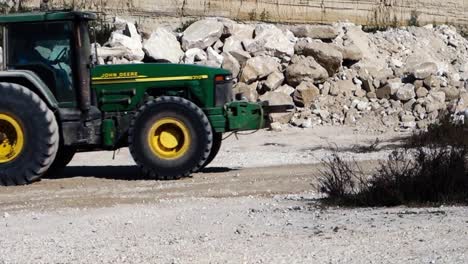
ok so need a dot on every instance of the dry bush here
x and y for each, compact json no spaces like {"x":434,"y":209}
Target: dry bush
{"x":445,"y":132}
{"x":340,"y":179}
{"x":426,"y":175}
{"x":101,"y":30}
{"x":432,"y":171}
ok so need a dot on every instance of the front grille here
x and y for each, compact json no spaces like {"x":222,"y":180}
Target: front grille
{"x":223,"y":93}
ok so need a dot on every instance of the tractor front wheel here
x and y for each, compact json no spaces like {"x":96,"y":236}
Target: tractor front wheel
{"x":170,"y":137}
{"x":217,"y":141}
{"x":29,"y":135}
{"x":64,"y":156}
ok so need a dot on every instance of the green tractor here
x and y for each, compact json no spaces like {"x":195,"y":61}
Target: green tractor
{"x":56,"y":101}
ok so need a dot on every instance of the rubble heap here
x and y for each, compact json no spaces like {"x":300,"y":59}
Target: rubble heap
{"x":337,"y":74}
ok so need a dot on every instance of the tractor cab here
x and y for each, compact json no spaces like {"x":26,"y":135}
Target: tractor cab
{"x":50,"y":52}
{"x":56,"y":47}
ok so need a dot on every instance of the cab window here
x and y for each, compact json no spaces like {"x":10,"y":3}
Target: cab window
{"x":45,"y":49}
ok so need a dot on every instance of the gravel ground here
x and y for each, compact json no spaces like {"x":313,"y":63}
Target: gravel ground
{"x":235,"y":230}
{"x":268,"y":148}
{"x":240,"y":210}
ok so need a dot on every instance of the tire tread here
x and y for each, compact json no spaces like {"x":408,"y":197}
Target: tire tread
{"x":150,"y":172}
{"x":49,"y":139}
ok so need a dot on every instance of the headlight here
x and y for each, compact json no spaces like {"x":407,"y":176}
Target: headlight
{"x":223,"y":89}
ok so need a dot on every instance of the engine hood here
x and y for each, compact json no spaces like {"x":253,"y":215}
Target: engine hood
{"x":169,"y":71}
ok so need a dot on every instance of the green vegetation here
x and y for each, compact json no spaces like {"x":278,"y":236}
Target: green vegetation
{"x":102,"y":29}
{"x":265,"y":16}
{"x":414,"y":19}
{"x":253,"y":15}
{"x":381,"y":20}
{"x":19,"y":8}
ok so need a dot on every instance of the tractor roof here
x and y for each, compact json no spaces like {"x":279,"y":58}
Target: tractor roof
{"x":46,"y":16}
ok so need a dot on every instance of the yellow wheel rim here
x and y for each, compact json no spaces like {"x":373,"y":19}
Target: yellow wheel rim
{"x":169,"y":138}
{"x":11,"y":138}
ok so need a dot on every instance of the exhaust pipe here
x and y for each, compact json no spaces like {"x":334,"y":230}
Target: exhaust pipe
{"x":82,"y":73}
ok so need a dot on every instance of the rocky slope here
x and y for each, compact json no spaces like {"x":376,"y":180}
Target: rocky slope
{"x":366,"y":12}
{"x":401,"y":78}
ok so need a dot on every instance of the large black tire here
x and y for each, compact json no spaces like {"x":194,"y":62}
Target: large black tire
{"x":38,"y":129}
{"x":183,"y":121}
{"x":217,"y":142}
{"x":62,"y":159}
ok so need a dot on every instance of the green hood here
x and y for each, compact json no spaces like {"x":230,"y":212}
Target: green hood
{"x":174,"y":72}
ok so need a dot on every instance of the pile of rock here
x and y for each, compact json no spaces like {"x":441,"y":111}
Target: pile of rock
{"x":333,"y":74}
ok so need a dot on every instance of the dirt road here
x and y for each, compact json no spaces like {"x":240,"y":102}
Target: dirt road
{"x":255,"y":204}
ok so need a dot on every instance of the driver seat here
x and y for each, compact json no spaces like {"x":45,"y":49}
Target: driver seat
{"x":47,"y":75}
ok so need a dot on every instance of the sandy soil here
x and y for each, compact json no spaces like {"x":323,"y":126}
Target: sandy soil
{"x":256,"y":203}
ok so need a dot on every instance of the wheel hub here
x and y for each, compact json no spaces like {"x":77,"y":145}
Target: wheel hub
{"x":169,"y":138}
{"x":11,"y":138}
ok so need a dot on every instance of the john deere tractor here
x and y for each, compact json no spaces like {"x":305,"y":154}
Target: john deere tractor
{"x":56,"y":101}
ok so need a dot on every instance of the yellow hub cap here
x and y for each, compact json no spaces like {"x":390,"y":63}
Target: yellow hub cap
{"x":169,"y":138}
{"x":11,"y":138}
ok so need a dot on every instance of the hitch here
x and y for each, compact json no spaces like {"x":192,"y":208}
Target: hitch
{"x":243,"y":115}
{"x":271,"y":109}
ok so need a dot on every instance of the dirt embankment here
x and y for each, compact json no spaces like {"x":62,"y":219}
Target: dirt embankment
{"x":363,"y":12}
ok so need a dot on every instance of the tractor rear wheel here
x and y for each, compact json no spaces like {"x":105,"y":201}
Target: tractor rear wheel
{"x":29,"y":135}
{"x":170,"y":137}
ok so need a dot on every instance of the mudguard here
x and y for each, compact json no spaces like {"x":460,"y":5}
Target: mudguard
{"x":38,"y":86}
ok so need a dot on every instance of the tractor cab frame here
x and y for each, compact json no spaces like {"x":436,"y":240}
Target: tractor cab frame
{"x":50,"y":53}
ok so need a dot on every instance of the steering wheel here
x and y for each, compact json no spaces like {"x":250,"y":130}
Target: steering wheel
{"x":60,"y":55}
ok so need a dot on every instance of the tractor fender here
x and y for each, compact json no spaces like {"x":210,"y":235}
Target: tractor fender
{"x":31,"y":81}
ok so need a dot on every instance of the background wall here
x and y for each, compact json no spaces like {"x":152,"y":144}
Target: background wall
{"x":321,"y":11}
